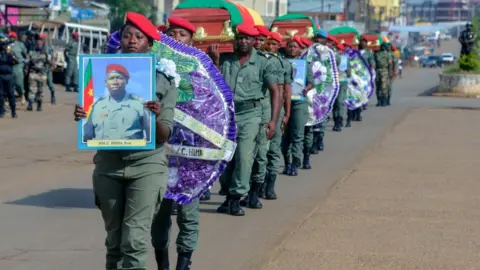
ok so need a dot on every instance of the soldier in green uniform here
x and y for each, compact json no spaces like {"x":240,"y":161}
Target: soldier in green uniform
{"x":260,"y":162}
{"x":129,"y":185}
{"x":20,"y":52}
{"x":338,"y":110}
{"x":249,"y":73}
{"x":383,"y":71}
{"x":319,"y":129}
{"x":274,"y":154}
{"x":71,"y":74}
{"x":294,"y":135}
{"x":51,"y":87}
{"x":188,"y":215}
{"x":38,"y":67}
{"x":393,"y":71}
{"x":369,"y":57}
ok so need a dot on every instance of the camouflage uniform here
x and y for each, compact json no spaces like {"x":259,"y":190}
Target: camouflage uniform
{"x":393,"y":71}
{"x":38,"y":68}
{"x":383,"y":72}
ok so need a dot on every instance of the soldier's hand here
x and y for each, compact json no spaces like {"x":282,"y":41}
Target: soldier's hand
{"x":214,"y":53}
{"x":285,"y":122}
{"x":79,"y":113}
{"x":153,"y":106}
{"x":271,"y":126}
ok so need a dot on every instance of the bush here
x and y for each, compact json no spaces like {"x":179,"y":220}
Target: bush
{"x":469,"y":62}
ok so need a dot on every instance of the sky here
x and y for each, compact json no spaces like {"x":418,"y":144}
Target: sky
{"x":138,"y":67}
{"x":336,"y":6}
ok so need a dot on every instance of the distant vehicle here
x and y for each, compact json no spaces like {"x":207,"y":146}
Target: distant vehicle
{"x":431,"y":38}
{"x":447,"y":58}
{"x":445,"y":36}
{"x":432,"y":61}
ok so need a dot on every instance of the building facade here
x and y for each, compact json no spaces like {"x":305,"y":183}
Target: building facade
{"x":453,"y":10}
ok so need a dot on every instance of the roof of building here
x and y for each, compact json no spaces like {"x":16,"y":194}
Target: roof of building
{"x":25,"y":4}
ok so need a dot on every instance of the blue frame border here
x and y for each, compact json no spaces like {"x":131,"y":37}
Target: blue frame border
{"x":83,"y":146}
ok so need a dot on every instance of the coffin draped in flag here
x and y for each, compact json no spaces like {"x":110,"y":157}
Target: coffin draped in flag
{"x":322,"y":63}
{"x":204,"y":133}
{"x":361,"y":82}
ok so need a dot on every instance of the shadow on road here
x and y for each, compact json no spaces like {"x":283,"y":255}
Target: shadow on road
{"x":60,"y":198}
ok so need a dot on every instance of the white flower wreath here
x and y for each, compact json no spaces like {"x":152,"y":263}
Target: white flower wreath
{"x":169,"y":68}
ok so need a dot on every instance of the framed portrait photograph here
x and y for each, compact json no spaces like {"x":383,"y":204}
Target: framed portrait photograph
{"x":112,"y":90}
{"x":299,"y":78}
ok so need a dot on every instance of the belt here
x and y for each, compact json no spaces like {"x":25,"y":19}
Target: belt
{"x":247,"y":104}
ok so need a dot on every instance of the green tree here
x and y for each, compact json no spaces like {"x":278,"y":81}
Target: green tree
{"x":118,"y":9}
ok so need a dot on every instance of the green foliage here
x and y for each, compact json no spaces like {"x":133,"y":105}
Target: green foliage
{"x":469,"y":62}
{"x":118,"y":9}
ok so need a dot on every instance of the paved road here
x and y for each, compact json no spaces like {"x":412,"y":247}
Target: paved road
{"x":48,"y":221}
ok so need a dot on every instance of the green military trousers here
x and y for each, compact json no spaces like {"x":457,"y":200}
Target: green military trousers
{"x":36,"y":82}
{"x":236,"y":177}
{"x":308,"y":139}
{"x":128,"y":193}
{"x":339,"y":106}
{"x":19,"y":79}
{"x":188,"y":219}
{"x":259,"y":167}
{"x":274,"y":153}
{"x":292,"y":143}
{"x":71,"y":76}
{"x":51,"y":87}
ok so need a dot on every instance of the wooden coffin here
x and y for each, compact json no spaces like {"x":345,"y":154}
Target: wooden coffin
{"x":213,"y":27}
{"x":290,"y":28}
{"x":373,"y":42}
{"x":348,"y":38}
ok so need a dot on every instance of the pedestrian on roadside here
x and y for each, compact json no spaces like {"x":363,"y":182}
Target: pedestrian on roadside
{"x":7,"y":61}
{"x":129,"y":185}
{"x":38,"y":67}
{"x":20,"y":52}
{"x":71,"y":73}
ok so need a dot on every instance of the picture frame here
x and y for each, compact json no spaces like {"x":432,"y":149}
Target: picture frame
{"x":112,"y":90}
{"x":299,"y":78}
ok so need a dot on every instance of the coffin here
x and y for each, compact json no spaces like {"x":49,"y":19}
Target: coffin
{"x":346,"y":34}
{"x":213,"y":27}
{"x":373,"y":42}
{"x":290,"y":25}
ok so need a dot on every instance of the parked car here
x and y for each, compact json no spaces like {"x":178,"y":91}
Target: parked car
{"x":446,"y":36}
{"x":447,"y":58}
{"x":432,"y":61}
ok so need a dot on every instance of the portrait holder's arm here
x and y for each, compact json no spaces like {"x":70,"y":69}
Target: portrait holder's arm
{"x":88,"y":128}
{"x":167,"y":94}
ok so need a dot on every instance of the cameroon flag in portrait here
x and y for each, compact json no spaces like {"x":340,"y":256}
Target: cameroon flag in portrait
{"x":88,"y":88}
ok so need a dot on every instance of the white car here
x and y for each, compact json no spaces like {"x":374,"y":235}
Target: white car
{"x":447,"y":58}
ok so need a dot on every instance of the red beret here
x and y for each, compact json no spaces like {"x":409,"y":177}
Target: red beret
{"x":143,"y":24}
{"x":275,"y":36}
{"x":12,"y":34}
{"x":340,"y":46}
{"x":76,"y":34}
{"x":306,"y":41}
{"x":181,"y":23}
{"x":247,"y":29}
{"x":118,"y":68}
{"x":162,"y":28}
{"x":332,"y":38}
{"x":299,"y":41}
{"x":262,"y":30}
{"x":43,"y":36}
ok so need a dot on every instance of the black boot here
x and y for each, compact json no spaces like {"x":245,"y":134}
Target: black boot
{"x":235,"y":209}
{"x":30,"y":106}
{"x":263,"y":190}
{"x":293,"y":170}
{"x":161,"y":256}
{"x":174,"y":209}
{"x":358,"y":117}
{"x":350,"y":117}
{"x":335,"y":124}
{"x":340,"y":123}
{"x":39,"y":105}
{"x":184,"y":261}
{"x":288,"y":169}
{"x":383,"y":102}
{"x":222,"y":192}
{"x":306,"y":159}
{"x":206,"y":196}
{"x":314,"y":149}
{"x":225,"y":207}
{"x":320,"y":145}
{"x":270,"y":187}
{"x":387,"y":101}
{"x":253,"y":201}
{"x":53,"y":100}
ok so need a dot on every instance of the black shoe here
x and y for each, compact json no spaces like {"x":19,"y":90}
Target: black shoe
{"x":225,"y":207}
{"x":222,"y":192}
{"x":14,"y":115}
{"x":235,"y":209}
{"x":161,"y":256}
{"x":244,"y":201}
{"x":206,"y":196}
{"x":68,"y":90}
{"x":306,"y":160}
{"x":314,"y":149}
{"x":387,"y":101}
{"x":293,"y":170}
{"x":39,"y":106}
{"x":263,"y":191}
{"x":288,"y":169}
{"x":350,"y":117}
{"x":383,"y":102}
{"x":253,"y":201}
{"x":335,"y":124}
{"x":359,"y":117}
{"x":53,"y":101}
{"x":30,"y":106}
{"x":174,"y":209}
{"x":184,"y":261}
{"x":270,"y":187}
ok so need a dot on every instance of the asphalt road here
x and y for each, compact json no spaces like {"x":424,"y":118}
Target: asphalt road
{"x":48,"y":220}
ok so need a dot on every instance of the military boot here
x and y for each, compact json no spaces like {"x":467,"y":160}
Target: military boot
{"x":263,"y":190}
{"x":39,"y":105}
{"x":161,"y":256}
{"x":340,"y":123}
{"x":206,"y":196}
{"x":350,"y":117}
{"x":306,"y":159}
{"x":288,"y":166}
{"x":30,"y":106}
{"x":235,"y":209}
{"x":184,"y":261}
{"x":270,"y":187}
{"x":387,"y":101}
{"x":320,"y":145}
{"x":225,"y":207}
{"x":222,"y":192}
{"x":335,"y":124}
{"x":358,"y":115}
{"x":253,"y":201}
{"x":314,"y":149}
{"x":293,"y":170}
{"x":53,"y":100}
{"x":383,"y":102}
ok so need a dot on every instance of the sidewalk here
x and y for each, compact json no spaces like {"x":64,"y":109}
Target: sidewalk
{"x":413,"y":203}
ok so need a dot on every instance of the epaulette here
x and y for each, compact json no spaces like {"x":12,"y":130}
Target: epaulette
{"x":264,"y":54}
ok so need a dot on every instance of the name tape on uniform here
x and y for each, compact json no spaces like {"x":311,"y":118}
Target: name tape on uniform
{"x":203,"y":131}
{"x":198,"y":152}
